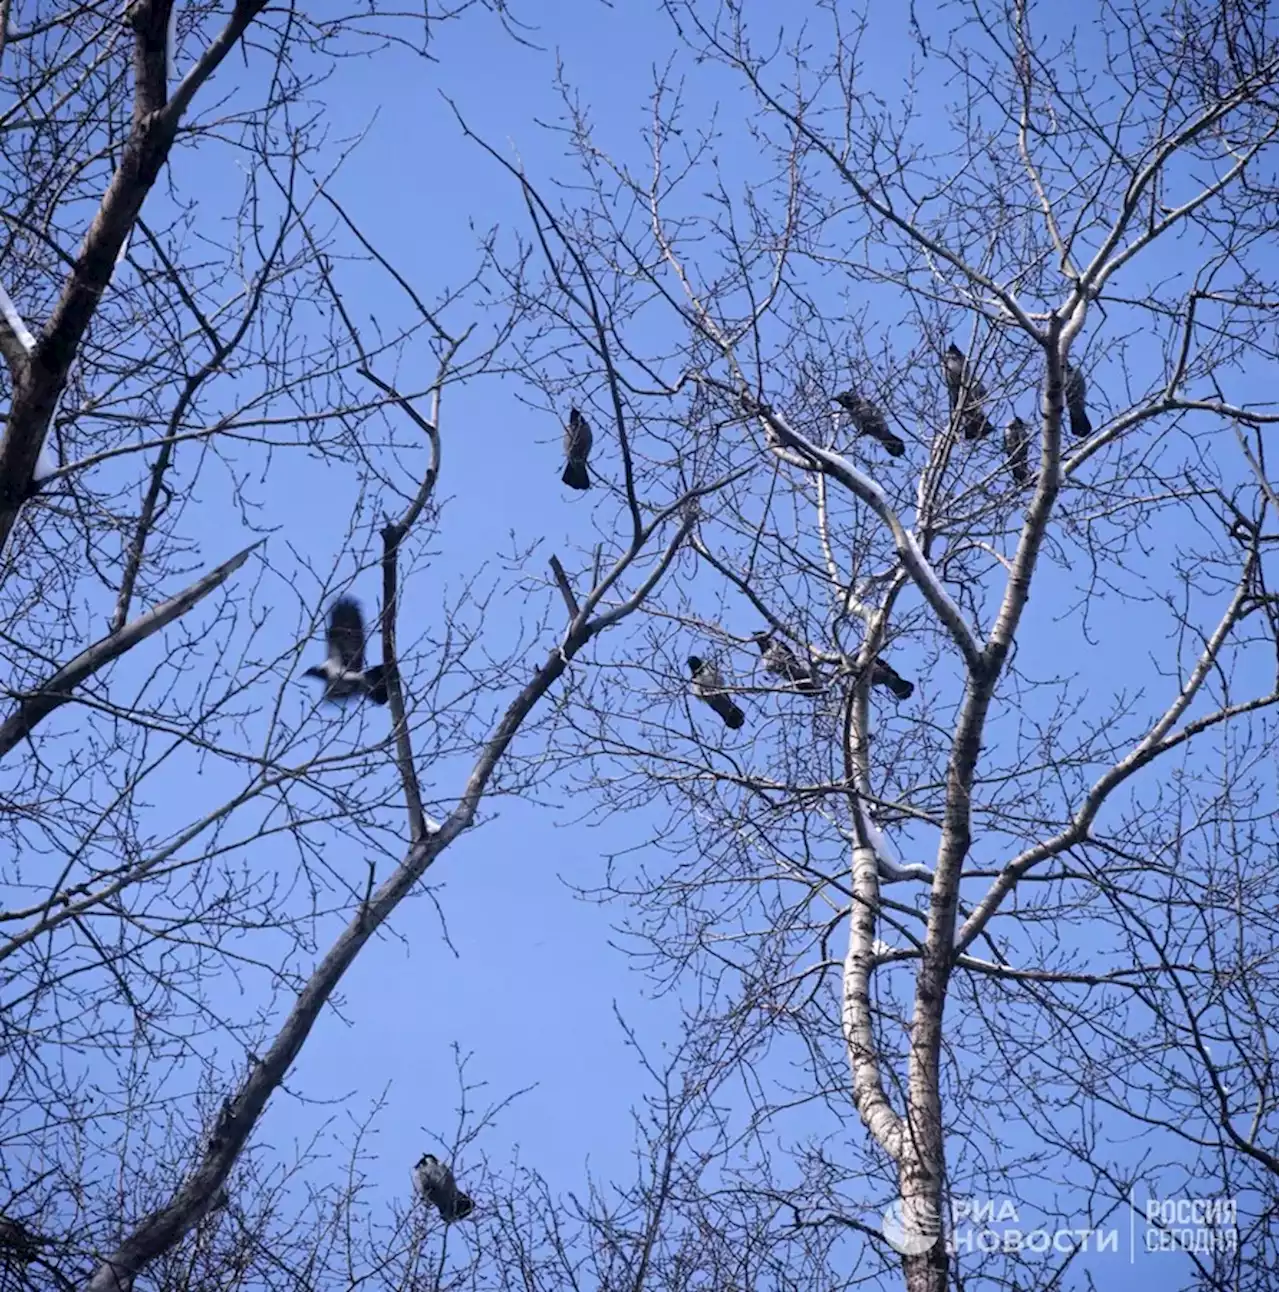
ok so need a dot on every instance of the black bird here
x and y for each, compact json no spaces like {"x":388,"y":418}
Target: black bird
{"x":973,"y":420}
{"x":883,"y":674}
{"x":780,"y":660}
{"x":708,"y":686}
{"x":1016,"y":440}
{"x":18,"y":1245}
{"x":343,"y":672}
{"x":577,"y":449}
{"x":869,"y":421}
{"x":1074,"y":391}
{"x":435,"y":1185}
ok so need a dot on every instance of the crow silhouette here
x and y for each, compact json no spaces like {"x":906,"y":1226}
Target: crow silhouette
{"x":435,"y":1185}
{"x":577,"y":449}
{"x":868,"y":420}
{"x":780,"y":660}
{"x":708,"y":686}
{"x":961,"y":382}
{"x":343,"y":670}
{"x":1016,"y":440}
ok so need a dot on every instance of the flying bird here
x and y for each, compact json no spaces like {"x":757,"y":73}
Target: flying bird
{"x":886,"y":675}
{"x":708,"y":686}
{"x":1073,"y":392}
{"x":973,"y":420}
{"x":869,"y":420}
{"x":435,"y":1185}
{"x":343,"y":671}
{"x":577,"y":449}
{"x":1016,"y":440}
{"x":780,"y":660}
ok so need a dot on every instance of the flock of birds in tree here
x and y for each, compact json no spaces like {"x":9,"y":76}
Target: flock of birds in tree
{"x":964,"y":388}
{"x":706,"y":682}
{"x":344,"y":673}
{"x":968,"y":398}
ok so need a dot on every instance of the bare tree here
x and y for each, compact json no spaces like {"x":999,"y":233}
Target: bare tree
{"x":180,"y":810}
{"x":1054,"y":988}
{"x":1046,"y":668}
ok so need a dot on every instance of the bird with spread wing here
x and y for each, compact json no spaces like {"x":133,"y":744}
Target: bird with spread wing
{"x":343,"y":671}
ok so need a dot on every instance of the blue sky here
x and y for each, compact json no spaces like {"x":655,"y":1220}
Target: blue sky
{"x":422,"y":192}
{"x":531,"y":993}
{"x":522,"y":938}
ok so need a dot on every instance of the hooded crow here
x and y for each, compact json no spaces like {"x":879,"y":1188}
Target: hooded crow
{"x":780,"y":660}
{"x":343,"y":671}
{"x":435,"y":1185}
{"x":886,"y":675}
{"x":869,"y":420}
{"x":1016,"y":440}
{"x":1074,"y":391}
{"x":973,"y":420}
{"x":577,"y":449}
{"x":18,"y":1245}
{"x":708,"y":686}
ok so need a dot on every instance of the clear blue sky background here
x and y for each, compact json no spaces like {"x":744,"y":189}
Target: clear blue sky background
{"x":532,"y":992}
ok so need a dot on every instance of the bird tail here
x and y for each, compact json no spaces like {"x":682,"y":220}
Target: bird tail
{"x":376,"y":680}
{"x":892,"y":443}
{"x":1019,"y":465}
{"x":1080,"y":423}
{"x":976,"y":427}
{"x":575,"y":474}
{"x":729,"y":711}
{"x":462,"y":1206}
{"x":899,"y":686}
{"x":883,"y":674}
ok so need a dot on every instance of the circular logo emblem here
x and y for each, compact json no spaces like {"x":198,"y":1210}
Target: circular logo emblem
{"x":911,"y":1227}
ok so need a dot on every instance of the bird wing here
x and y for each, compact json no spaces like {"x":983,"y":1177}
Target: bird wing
{"x":785,"y":664}
{"x":346,"y":635}
{"x":428,"y":1175}
{"x":873,"y":422}
{"x":577,"y":436}
{"x":953,"y":370}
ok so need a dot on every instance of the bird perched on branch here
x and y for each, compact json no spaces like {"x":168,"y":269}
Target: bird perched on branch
{"x":1074,"y":391}
{"x":886,"y":675}
{"x":577,"y":449}
{"x":18,"y":1245}
{"x":1016,"y":440}
{"x":436,"y":1186}
{"x":780,"y":660}
{"x":973,"y":419}
{"x":708,"y":686}
{"x":343,"y":671}
{"x":869,"y":420}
